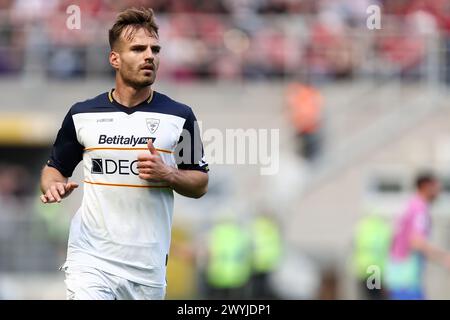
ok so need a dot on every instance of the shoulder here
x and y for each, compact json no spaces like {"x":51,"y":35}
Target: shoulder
{"x":99,"y":103}
{"x":165,"y":104}
{"x":417,"y":204}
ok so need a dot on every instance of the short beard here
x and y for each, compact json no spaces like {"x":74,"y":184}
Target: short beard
{"x":138,"y":84}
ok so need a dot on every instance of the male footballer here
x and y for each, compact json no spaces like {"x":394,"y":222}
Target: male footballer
{"x":137,"y":146}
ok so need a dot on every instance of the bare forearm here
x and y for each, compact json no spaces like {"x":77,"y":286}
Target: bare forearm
{"x":49,"y":177}
{"x":189,"y":183}
{"x":429,"y":250}
{"x":54,"y":185}
{"x":435,"y":253}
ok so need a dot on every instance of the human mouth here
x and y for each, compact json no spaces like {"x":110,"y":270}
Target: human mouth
{"x":148,"y":67}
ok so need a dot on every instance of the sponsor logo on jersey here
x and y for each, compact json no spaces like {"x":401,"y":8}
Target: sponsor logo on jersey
{"x":123,"y":140}
{"x":110,"y":166}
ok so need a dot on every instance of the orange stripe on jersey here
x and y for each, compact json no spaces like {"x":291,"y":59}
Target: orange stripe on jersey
{"x":123,"y":185}
{"x":109,"y":148}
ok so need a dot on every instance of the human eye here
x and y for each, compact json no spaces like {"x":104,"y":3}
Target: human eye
{"x":156,"y":49}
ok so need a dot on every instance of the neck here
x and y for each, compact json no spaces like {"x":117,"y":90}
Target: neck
{"x":129,"y":96}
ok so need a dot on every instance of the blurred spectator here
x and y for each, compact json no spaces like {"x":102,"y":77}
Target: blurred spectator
{"x":6,"y":4}
{"x":56,"y":221}
{"x":229,"y":261}
{"x":266,"y":257}
{"x":402,"y":49}
{"x":410,"y":243}
{"x":13,"y":183}
{"x":329,"y":52}
{"x":33,"y":10}
{"x":181,"y":273}
{"x":288,"y":6}
{"x":437,"y":13}
{"x":371,"y":248}
{"x":305,"y":104}
{"x":268,"y":44}
{"x":275,"y":7}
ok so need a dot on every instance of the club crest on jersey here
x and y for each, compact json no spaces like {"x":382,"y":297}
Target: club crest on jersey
{"x":152,"y":124}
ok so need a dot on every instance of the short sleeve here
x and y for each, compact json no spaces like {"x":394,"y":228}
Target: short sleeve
{"x":420,"y":224}
{"x":67,"y":152}
{"x":189,"y":152}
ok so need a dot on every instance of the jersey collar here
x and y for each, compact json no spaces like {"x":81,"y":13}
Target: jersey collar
{"x":130,"y":109}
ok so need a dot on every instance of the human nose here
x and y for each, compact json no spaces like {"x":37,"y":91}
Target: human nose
{"x":149,"y":55}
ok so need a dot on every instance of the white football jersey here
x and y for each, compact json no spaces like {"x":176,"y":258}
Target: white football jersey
{"x":124,"y":223}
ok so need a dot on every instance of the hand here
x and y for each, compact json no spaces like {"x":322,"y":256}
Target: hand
{"x":151,"y":167}
{"x":58,"y":191}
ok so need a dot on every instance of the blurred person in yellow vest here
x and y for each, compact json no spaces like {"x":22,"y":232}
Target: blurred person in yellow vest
{"x":266,"y":254}
{"x":371,"y":249}
{"x":305,"y":104}
{"x":181,"y":272}
{"x":56,"y":222}
{"x":229,"y":260}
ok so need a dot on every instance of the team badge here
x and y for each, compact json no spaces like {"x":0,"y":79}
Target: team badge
{"x":152,"y":125}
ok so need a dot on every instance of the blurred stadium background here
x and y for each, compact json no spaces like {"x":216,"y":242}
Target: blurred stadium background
{"x":376,"y":112}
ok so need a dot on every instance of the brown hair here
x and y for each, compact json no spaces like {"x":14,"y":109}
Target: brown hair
{"x":136,"y":19}
{"x":425,"y":177}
